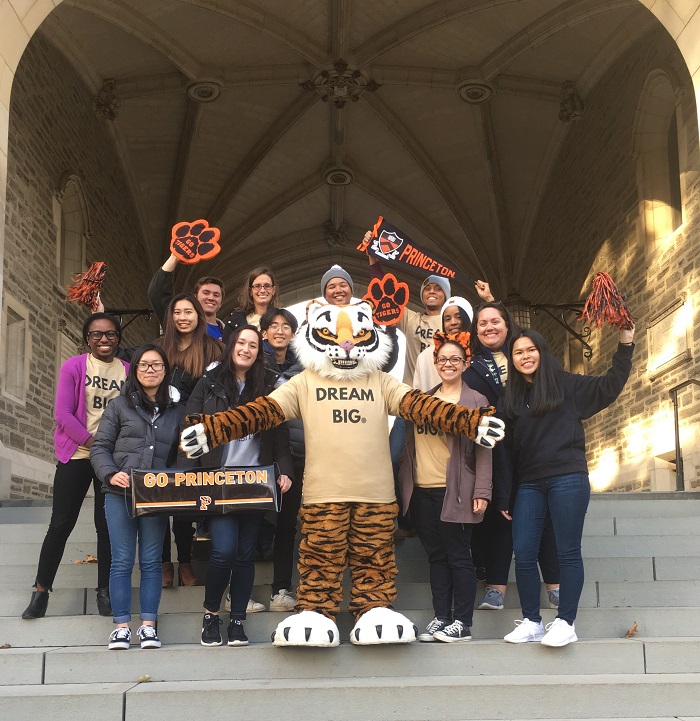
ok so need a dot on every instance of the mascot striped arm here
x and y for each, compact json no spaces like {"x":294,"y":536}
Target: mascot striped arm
{"x":349,"y":509}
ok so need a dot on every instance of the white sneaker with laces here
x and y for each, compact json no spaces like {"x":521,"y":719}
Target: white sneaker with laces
{"x":526,"y":631}
{"x":559,"y":633}
{"x":254,"y":606}
{"x":282,"y":601}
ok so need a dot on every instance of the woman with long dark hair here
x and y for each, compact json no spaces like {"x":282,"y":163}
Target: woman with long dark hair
{"x":492,"y":541}
{"x":86,"y":383}
{"x":190,"y":350}
{"x":138,"y":430}
{"x":543,"y":406}
{"x":239,"y":378}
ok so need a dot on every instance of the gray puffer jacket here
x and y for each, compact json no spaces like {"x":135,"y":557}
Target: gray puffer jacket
{"x":128,"y":437}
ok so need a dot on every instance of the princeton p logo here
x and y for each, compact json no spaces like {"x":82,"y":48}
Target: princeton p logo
{"x":204,"y":502}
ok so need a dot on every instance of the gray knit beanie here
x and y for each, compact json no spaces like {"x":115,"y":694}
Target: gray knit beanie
{"x":438,"y":280}
{"x":335,"y":272}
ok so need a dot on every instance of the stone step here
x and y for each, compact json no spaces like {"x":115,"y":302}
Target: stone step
{"x":449,"y":698}
{"x":411,"y":596}
{"x":185,"y":627}
{"x":190,"y":662}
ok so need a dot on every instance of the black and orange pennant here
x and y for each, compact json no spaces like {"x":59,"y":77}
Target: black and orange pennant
{"x":391,"y":244}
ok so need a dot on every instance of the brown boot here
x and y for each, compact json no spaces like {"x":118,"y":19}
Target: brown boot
{"x":186,"y":575}
{"x":168,"y":575}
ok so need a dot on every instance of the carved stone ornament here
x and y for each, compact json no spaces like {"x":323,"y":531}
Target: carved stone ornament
{"x":571,"y":104}
{"x":335,"y":237}
{"x":341,"y":84}
{"x":106,"y":104}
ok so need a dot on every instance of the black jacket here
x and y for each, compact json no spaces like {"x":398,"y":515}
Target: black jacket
{"x":129,"y":438}
{"x":210,"y":397}
{"x":554,"y":444}
{"x":287,"y":370}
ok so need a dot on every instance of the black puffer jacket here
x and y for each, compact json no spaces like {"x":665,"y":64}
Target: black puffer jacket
{"x":210,"y":397}
{"x":129,"y":438}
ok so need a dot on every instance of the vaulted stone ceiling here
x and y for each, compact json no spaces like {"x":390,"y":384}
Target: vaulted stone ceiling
{"x":445,"y":120}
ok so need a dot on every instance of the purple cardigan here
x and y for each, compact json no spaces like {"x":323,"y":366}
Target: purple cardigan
{"x":70,"y":412}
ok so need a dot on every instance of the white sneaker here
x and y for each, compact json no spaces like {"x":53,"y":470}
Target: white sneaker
{"x":253,"y":606}
{"x":526,"y":631}
{"x":559,"y":633}
{"x":282,"y":601}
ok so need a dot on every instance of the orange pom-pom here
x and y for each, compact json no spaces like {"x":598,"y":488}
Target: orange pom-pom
{"x":85,"y":287}
{"x":606,"y":304}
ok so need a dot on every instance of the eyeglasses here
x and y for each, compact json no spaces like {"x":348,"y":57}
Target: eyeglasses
{"x":97,"y":334}
{"x":143,"y":366}
{"x":454,"y":360}
{"x":262,"y":286}
{"x":280,"y":326}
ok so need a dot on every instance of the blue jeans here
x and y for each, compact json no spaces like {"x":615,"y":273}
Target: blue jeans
{"x":123,"y":531}
{"x":234,"y":538}
{"x":566,"y":497}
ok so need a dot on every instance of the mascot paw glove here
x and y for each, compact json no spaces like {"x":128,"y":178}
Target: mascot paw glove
{"x":380,"y":626}
{"x":193,"y":441}
{"x":489,"y":431}
{"x":307,"y":628}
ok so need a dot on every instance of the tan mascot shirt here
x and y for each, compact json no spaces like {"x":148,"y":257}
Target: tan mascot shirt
{"x":345,"y":427}
{"x":419,"y":329}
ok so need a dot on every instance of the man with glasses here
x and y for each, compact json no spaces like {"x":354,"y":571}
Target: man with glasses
{"x":208,"y":290}
{"x":278,"y":327}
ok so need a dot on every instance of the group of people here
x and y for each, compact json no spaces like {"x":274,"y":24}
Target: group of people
{"x":471,"y":507}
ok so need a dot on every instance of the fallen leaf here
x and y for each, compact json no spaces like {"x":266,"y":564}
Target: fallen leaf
{"x":6,"y":645}
{"x":143,"y":679}
{"x":632,"y":631}
{"x":88,"y":559}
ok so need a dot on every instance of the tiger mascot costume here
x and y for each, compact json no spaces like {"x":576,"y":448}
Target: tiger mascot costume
{"x":349,"y":506}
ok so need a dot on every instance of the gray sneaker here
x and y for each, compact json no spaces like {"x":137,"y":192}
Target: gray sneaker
{"x":492,"y":600}
{"x":553,"y":598}
{"x":435,"y":625}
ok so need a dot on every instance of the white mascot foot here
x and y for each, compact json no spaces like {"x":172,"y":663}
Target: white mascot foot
{"x":307,"y":628}
{"x":382,"y":625}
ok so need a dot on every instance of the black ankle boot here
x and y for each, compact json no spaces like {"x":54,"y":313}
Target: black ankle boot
{"x":37,"y":606}
{"x":104,"y":605}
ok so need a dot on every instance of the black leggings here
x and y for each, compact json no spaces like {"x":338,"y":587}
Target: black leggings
{"x":286,"y":531}
{"x":71,"y":483}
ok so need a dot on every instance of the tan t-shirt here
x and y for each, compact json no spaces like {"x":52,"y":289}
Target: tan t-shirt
{"x":253,"y":318}
{"x":103,"y":381}
{"x":419,"y":329}
{"x":346,"y":434}
{"x":432,"y":453}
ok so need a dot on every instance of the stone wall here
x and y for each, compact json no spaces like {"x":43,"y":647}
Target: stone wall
{"x":54,"y":132}
{"x":591,"y":220}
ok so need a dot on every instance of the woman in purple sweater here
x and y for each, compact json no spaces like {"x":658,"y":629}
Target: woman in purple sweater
{"x":86,"y":383}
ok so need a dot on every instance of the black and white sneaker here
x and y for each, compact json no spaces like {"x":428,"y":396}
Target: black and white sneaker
{"x":435,"y":625}
{"x":120,"y":638}
{"x":148,"y":637}
{"x":456,"y":631}
{"x":211,"y":633}
{"x":236,"y":634}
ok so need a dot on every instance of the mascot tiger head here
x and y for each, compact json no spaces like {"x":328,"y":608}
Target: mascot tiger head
{"x":341,"y":341}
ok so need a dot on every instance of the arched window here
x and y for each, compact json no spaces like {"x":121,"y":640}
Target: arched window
{"x":72,"y":228}
{"x":656,"y":148}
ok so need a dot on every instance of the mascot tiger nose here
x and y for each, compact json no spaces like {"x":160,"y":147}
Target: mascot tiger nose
{"x":349,"y":508}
